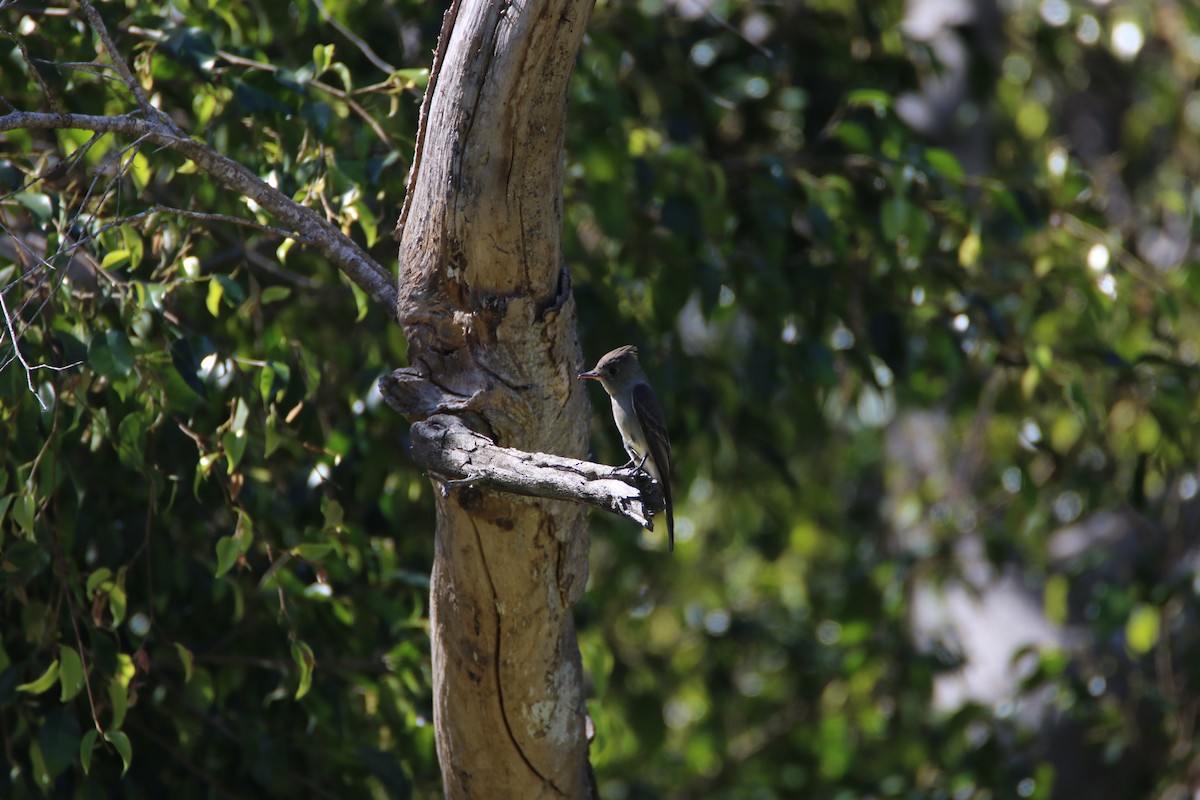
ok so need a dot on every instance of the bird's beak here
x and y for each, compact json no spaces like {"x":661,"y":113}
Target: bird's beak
{"x":589,"y":374}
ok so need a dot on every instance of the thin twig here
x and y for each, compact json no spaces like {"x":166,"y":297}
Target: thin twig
{"x":51,"y":98}
{"x":110,"y":47}
{"x":206,"y":217}
{"x":362,"y":46}
{"x":87,"y":681}
{"x":12,"y":334}
{"x":340,"y":94}
{"x":69,"y":250}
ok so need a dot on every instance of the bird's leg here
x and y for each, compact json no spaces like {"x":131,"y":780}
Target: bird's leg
{"x":635,"y":464}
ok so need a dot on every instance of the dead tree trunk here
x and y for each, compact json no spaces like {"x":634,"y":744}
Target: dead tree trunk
{"x":487,"y":307}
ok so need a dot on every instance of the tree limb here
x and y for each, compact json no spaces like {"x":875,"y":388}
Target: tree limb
{"x":445,"y":445}
{"x":340,"y":249}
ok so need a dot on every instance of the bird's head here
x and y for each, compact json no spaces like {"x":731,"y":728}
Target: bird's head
{"x":616,"y":368}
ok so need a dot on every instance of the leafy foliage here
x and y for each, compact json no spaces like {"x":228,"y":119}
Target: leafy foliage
{"x":213,"y":550}
{"x":212,"y":522}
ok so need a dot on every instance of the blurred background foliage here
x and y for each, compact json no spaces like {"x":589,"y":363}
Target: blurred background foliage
{"x":914,"y":280}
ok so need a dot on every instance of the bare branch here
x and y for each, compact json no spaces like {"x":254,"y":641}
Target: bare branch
{"x":444,"y":445}
{"x":304,"y":223}
{"x":16,"y":343}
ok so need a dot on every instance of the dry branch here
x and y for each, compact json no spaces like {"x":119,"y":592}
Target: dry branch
{"x":444,"y":445}
{"x":308,"y":225}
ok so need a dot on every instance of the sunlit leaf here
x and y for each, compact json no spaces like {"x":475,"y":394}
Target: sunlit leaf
{"x":228,"y":551}
{"x":302,"y":654}
{"x":1142,"y":629}
{"x":70,"y":672}
{"x":43,"y":682}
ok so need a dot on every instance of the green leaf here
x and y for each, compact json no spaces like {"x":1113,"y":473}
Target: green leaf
{"x":1054,"y":599}
{"x":854,"y":136}
{"x":294,"y":79}
{"x":245,"y":531}
{"x":188,"y":661}
{"x":322,"y":58}
{"x":23,"y":512}
{"x":111,"y":355}
{"x":412,"y":78}
{"x":241,"y":413}
{"x":228,"y":551}
{"x":895,"y":217}
{"x":968,"y":250}
{"x":114,"y":258}
{"x":368,"y":222}
{"x":121,"y":742}
{"x":334,"y":515}
{"x":192,"y":47}
{"x":361,"y":301}
{"x":945,"y":162}
{"x":312,"y":551}
{"x":43,"y":682}
{"x":234,"y":443}
{"x":97,"y":578}
{"x":118,"y":699}
{"x":116,"y":605}
{"x":40,"y":772}
{"x":273,"y":294}
{"x":273,"y":437}
{"x":302,"y":654}
{"x":86,"y":747}
{"x":40,"y":204}
{"x":125,"y":669}
{"x":874,"y":99}
{"x":273,"y":381}
{"x":1142,"y":629}
{"x":235,"y":295}
{"x":215,"y":292}
{"x":70,"y":672}
{"x":131,"y":434}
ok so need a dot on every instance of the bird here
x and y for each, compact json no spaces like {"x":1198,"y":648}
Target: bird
{"x":640,"y":419}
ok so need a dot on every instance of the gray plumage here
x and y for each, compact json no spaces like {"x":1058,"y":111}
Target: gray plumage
{"x":639,"y":418}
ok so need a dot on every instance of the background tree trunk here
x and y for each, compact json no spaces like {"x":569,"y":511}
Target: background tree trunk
{"x":489,"y":315}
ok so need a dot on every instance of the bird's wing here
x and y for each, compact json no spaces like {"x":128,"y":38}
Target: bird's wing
{"x":654,"y":427}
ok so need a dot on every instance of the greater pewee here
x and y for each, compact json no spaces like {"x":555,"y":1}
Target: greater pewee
{"x":639,"y":418}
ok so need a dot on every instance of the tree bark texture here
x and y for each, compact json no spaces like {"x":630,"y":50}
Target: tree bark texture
{"x":486,"y":304}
